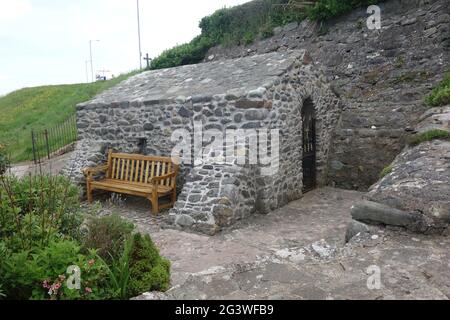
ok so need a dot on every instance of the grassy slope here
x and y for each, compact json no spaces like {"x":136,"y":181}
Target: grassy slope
{"x":39,"y":108}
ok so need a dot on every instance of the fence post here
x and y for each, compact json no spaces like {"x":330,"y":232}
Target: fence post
{"x":33,"y":142}
{"x":46,"y":143}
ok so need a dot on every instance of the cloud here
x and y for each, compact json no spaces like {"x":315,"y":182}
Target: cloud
{"x":12,"y":10}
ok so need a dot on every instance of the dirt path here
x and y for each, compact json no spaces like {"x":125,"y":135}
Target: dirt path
{"x":298,"y":252}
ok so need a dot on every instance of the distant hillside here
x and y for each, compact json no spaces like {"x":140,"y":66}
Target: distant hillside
{"x":39,"y":108}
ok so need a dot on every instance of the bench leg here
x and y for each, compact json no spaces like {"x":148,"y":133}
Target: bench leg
{"x":155,"y":204}
{"x":174,"y":197}
{"x":89,"y":193}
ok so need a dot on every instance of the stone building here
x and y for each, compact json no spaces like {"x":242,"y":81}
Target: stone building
{"x":282,"y":98}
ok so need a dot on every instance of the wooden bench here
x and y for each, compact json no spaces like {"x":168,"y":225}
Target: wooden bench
{"x":138,"y":175}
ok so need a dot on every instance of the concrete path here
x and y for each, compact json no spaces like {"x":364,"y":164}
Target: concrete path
{"x":52,"y":166}
{"x":298,"y":252}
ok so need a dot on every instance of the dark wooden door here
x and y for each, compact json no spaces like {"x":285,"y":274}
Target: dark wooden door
{"x":309,"y":146}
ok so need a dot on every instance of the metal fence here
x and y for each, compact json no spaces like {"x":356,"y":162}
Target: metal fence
{"x":54,"y":141}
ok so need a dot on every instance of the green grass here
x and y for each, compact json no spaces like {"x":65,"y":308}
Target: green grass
{"x":386,"y":171}
{"x":39,"y":108}
{"x":441,"y":94}
{"x":428,"y":136}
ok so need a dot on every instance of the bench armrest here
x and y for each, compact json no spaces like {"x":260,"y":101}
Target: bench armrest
{"x":90,"y":171}
{"x":155,"y":180}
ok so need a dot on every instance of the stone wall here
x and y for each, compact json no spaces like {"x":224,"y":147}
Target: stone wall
{"x":214,"y":195}
{"x":381,"y":77}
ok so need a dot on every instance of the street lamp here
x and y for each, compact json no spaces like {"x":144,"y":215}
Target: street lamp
{"x":87,"y":72}
{"x":92,"y":63}
{"x":139,"y":33}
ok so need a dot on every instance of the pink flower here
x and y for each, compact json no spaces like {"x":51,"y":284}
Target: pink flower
{"x":91,"y":262}
{"x":88,"y":290}
{"x":45,"y":285}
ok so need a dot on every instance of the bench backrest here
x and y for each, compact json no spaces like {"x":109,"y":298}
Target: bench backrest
{"x":138,"y":168}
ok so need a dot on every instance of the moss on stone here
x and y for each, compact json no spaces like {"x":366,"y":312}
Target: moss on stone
{"x":428,"y":136}
{"x":441,"y":94}
{"x":386,"y":171}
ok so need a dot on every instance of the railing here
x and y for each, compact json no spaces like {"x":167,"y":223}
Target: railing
{"x":54,"y":141}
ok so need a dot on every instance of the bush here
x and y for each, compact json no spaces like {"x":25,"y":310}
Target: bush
{"x":41,"y":274}
{"x":41,"y":236}
{"x":441,"y":94}
{"x":327,"y":9}
{"x":36,"y":210}
{"x":428,"y":136}
{"x":108,"y":235}
{"x":148,"y":270}
{"x":189,"y":53}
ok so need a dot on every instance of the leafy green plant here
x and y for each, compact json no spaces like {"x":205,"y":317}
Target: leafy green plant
{"x":428,"y":136}
{"x":326,"y":9}
{"x":41,"y":273}
{"x":37,"y":209}
{"x":119,"y":272}
{"x":108,"y":235}
{"x":441,"y":94}
{"x":148,"y":270}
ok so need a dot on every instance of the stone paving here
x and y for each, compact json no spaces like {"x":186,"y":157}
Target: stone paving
{"x":297,"y":252}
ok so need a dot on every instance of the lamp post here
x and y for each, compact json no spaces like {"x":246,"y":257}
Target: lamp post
{"x":87,"y":72}
{"x":92,"y":62}
{"x":139,"y":34}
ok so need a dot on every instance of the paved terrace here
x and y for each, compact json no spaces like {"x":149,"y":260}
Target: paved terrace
{"x":298,"y":252}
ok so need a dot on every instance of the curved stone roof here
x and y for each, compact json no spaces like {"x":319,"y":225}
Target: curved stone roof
{"x":237,"y":77}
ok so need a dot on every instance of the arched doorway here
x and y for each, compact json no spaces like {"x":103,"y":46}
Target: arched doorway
{"x":309,"y":146}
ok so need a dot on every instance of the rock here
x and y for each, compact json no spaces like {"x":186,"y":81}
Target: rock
{"x":322,"y":249}
{"x":355,"y":228}
{"x":372,"y":212}
{"x":184,"y":221}
{"x":156,"y":296}
{"x":185,"y":113}
{"x":290,"y":26}
{"x":148,"y":127}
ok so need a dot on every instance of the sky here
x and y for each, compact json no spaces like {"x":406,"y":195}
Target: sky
{"x":46,"y":42}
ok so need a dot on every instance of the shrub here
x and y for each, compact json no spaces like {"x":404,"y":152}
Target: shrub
{"x":441,"y":94}
{"x":41,"y":274}
{"x":428,"y":136}
{"x":148,"y":270}
{"x":188,"y":53}
{"x":41,"y":236}
{"x":108,"y":235}
{"x":327,"y":9}
{"x":35,"y":210}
